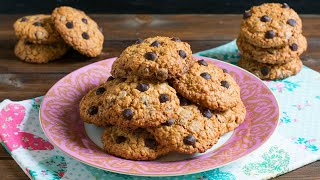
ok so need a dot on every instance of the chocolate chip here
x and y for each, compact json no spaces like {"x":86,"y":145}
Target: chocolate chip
{"x":100,"y":90}
{"x":139,"y":130}
{"x":122,"y":79}
{"x":93,"y":110}
{"x":151,"y":143}
{"x":85,"y":35}
{"x":155,"y":44}
{"x":24,"y":19}
{"x":207,"y":113}
{"x":170,"y":122}
{"x":264,"y":71}
{"x":110,"y":78}
{"x":246,"y":14}
{"x":182,"y":54}
{"x":205,"y":75}
{"x":203,"y":62}
{"x":184,"y":101}
{"x":292,"y":22}
{"x":142,"y":87}
{"x":285,"y":5}
{"x":151,"y":56}
{"x":128,"y":114}
{"x":270,"y":34}
{"x":164,"y":98}
{"x":294,"y":47}
{"x":265,"y":18}
{"x":38,"y":24}
{"x":189,"y":140}
{"x":69,"y":25}
{"x":225,"y":84}
{"x":120,"y":139}
{"x":139,"y":41}
{"x":84,"y":20}
{"x":225,"y":70}
{"x":175,"y":39}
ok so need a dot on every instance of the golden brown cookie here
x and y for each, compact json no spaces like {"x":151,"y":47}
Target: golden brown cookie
{"x":39,"y":53}
{"x":270,"y":25}
{"x":208,"y":86}
{"x":130,"y":144}
{"x":188,"y":131}
{"x":297,"y":45}
{"x":78,"y":30}
{"x":131,"y":102}
{"x":269,"y":71}
{"x":37,"y":29}
{"x":159,"y":58}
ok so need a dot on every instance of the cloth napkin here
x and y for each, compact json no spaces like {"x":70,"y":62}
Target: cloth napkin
{"x":295,"y":143}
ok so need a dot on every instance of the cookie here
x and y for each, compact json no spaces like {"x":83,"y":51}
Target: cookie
{"x":159,"y":58}
{"x":294,"y":49}
{"x":270,"y":25}
{"x":130,"y":102}
{"x":37,"y":29}
{"x":208,"y":86}
{"x":78,"y":30}
{"x":188,"y":131}
{"x":132,"y":144}
{"x":39,"y":53}
{"x":229,"y":119}
{"x":269,"y":71}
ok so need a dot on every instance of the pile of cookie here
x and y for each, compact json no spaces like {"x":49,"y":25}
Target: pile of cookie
{"x":43,"y":38}
{"x":270,"y":41}
{"x":161,"y":99}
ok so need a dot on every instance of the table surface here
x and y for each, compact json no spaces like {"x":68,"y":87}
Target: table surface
{"x":19,"y":80}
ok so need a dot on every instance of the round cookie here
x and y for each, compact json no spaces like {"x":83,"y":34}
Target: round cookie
{"x":130,"y":103}
{"x":37,"y":29}
{"x":39,"y":53}
{"x":188,"y":131}
{"x":208,"y":86}
{"x":78,"y":30}
{"x":159,"y":58}
{"x":270,"y":25}
{"x":296,"y":46}
{"x":271,"y":72}
{"x":130,"y":144}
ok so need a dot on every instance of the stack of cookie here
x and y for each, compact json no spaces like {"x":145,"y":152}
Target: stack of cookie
{"x":43,"y":38}
{"x":160,"y":99}
{"x":270,"y":41}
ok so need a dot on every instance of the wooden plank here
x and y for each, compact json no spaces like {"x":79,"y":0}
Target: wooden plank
{"x":10,"y":170}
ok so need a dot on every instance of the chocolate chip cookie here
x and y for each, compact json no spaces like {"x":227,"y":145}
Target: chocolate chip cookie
{"x":37,"y":29}
{"x":269,"y":71}
{"x":270,"y":25}
{"x":296,"y":46}
{"x":130,"y":102}
{"x":188,"y":131}
{"x":78,"y":30}
{"x":39,"y":53}
{"x":159,"y":58}
{"x":229,"y":119}
{"x":208,"y":86}
{"x":131,"y":144}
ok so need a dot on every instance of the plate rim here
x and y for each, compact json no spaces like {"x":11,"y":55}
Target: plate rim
{"x":165,"y":175}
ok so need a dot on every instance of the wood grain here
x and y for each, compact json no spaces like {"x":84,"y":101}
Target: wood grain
{"x":19,"y":80}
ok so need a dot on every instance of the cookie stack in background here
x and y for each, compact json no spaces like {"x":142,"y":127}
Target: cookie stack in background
{"x":160,"y":99}
{"x":270,"y":41}
{"x":43,"y":38}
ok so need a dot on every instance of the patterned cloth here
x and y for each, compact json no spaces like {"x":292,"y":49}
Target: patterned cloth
{"x":295,"y":142}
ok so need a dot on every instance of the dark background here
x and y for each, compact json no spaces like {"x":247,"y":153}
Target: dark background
{"x":150,"y":6}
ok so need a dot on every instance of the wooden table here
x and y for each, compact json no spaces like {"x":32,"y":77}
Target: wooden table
{"x":19,"y":80}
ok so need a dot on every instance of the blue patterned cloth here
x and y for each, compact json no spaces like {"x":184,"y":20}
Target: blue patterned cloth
{"x":295,"y":142}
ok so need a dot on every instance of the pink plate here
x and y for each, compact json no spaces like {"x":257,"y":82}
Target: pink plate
{"x":59,"y":118}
